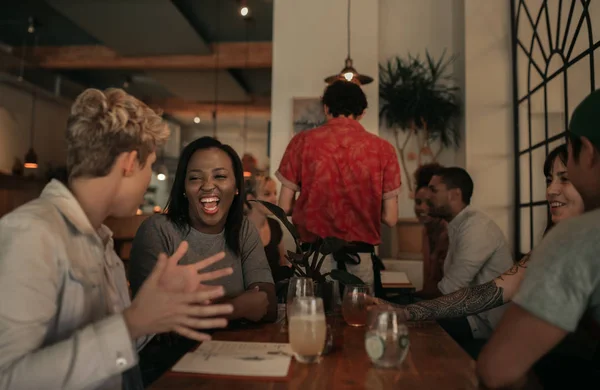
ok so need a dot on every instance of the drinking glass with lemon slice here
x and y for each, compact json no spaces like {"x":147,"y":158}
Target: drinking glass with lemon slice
{"x":386,"y":339}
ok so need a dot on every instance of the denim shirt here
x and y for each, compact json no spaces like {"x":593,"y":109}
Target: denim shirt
{"x":63,"y":291}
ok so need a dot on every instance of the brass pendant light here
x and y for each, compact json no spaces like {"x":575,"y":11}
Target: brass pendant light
{"x":31,"y":159}
{"x":349,"y":73}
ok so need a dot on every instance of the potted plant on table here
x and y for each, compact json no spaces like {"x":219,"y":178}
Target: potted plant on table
{"x":308,"y":259}
{"x":418,"y":99}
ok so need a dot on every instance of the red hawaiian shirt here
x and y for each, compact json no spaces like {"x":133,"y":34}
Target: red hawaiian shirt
{"x":343,"y":173}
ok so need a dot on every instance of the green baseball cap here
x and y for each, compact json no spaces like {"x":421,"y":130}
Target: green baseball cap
{"x":585,"y":121}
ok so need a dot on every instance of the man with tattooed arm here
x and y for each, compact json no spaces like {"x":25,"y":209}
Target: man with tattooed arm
{"x":477,"y":253}
{"x":566,"y":203}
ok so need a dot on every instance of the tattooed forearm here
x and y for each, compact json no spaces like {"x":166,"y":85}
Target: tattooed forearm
{"x":467,"y":301}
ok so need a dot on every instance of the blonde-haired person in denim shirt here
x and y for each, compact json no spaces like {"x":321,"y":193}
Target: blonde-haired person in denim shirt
{"x":65,"y":317}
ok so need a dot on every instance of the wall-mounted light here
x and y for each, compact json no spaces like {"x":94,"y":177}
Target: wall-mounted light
{"x":196,"y":119}
{"x":244,"y":11}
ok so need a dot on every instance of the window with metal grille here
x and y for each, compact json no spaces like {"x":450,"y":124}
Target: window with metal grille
{"x":553,"y":47}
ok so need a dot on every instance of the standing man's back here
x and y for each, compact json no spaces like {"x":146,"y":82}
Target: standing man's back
{"x":348,"y":178}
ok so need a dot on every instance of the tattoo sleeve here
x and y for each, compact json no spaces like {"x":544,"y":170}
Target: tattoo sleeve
{"x":466,"y":301}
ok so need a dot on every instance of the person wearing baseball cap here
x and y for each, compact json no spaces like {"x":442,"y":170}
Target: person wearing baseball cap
{"x":561,"y":291}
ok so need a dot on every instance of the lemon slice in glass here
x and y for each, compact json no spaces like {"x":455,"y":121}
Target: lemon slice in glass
{"x":404,"y":341}
{"x":374,"y":346}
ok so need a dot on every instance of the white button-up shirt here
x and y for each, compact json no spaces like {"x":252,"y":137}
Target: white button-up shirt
{"x":477,"y":253}
{"x":62,"y":290}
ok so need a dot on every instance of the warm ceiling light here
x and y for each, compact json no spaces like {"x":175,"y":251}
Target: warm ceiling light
{"x":244,"y":11}
{"x":31,"y":159}
{"x":349,"y":73}
{"x":162,"y":172}
{"x":196,"y":119}
{"x":247,"y":174}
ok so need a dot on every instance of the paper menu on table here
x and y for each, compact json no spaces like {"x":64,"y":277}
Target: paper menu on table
{"x":237,"y":359}
{"x":394,"y":277}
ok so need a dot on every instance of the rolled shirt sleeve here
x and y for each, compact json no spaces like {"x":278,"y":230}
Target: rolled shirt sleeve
{"x":563,"y":273}
{"x":30,"y":283}
{"x":290,"y":168}
{"x":391,"y":173}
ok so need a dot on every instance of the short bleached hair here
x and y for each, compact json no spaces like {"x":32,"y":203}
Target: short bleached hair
{"x":102,"y":125}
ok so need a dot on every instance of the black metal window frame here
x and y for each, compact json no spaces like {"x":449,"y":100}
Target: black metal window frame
{"x":562,"y":48}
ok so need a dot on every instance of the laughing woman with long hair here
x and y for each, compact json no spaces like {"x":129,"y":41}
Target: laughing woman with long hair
{"x":206,"y":209}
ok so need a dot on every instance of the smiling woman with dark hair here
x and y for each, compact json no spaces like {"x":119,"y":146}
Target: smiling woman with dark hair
{"x":206,"y":209}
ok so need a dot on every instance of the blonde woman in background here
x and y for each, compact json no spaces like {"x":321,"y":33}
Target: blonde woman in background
{"x":264,"y":188}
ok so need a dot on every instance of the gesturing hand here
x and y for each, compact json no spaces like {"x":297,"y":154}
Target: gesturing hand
{"x":187,"y":278}
{"x":156,"y":309}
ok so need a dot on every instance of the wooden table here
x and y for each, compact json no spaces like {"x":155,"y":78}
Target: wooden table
{"x":396,"y":282}
{"x":434,"y":361}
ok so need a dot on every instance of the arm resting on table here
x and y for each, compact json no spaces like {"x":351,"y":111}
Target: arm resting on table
{"x":471,"y":300}
{"x":258,"y":303}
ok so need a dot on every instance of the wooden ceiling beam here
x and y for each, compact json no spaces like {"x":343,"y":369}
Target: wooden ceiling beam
{"x":225,"y":55}
{"x":175,"y":106}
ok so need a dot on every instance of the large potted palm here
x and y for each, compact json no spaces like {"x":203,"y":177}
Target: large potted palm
{"x":418,"y":100}
{"x":307,"y":261}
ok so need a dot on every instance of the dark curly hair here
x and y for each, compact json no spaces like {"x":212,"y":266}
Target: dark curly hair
{"x":424,"y":173}
{"x":344,"y":98}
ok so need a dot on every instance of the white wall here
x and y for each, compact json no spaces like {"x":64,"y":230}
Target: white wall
{"x":408,"y":26}
{"x":15,"y":124}
{"x":477,"y":32}
{"x":488,"y":109}
{"x":309,"y":44}
{"x":231,"y":131}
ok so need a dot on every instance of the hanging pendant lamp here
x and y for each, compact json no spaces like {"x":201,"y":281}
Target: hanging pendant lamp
{"x":31,"y":159}
{"x":216,"y":85}
{"x":349,"y":73}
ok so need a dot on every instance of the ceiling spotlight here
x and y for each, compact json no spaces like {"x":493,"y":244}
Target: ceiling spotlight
{"x":31,"y":27}
{"x":162,"y":172}
{"x":196,"y":119}
{"x":244,"y":11}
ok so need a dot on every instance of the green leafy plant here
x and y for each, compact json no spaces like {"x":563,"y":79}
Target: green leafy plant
{"x":418,"y":97}
{"x":308,"y":259}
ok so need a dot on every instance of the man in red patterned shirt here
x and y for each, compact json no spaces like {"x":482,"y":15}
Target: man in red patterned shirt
{"x":348,"y":179}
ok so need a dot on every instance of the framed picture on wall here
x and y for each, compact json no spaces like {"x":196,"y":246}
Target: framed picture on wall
{"x":307,"y":114}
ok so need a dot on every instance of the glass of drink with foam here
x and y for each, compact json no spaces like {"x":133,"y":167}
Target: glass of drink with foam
{"x":307,"y":329}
